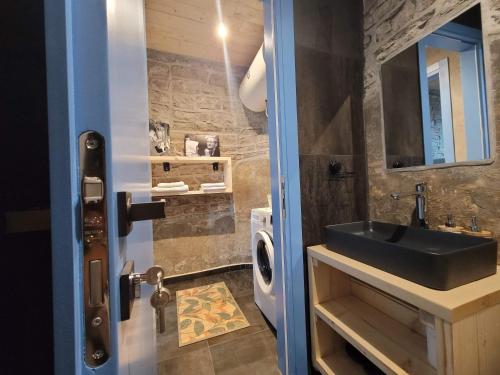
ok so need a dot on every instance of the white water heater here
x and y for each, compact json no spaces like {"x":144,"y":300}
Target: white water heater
{"x":253,"y":92}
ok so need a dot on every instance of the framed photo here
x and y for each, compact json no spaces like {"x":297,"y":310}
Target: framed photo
{"x":159,"y":138}
{"x":201,"y":145}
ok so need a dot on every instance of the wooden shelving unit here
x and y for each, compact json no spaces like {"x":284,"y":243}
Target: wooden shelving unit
{"x":389,"y":320}
{"x":333,"y":359}
{"x":224,"y":161}
{"x":190,"y":160}
{"x":390,"y":345}
{"x":156,"y":194}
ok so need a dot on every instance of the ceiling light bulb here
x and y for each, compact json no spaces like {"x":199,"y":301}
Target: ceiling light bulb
{"x":222,"y":31}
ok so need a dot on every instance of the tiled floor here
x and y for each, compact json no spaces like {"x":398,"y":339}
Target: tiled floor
{"x":250,"y":350}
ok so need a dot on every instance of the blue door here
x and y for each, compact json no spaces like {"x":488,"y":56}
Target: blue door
{"x":291,"y":301}
{"x":97,"y":81}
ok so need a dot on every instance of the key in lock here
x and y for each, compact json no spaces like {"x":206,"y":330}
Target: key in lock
{"x":161,"y":295}
{"x":159,"y":301}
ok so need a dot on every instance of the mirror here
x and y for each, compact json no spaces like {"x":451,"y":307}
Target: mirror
{"x":434,"y":98}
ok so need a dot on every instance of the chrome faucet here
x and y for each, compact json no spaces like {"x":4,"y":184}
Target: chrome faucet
{"x":420,"y":195}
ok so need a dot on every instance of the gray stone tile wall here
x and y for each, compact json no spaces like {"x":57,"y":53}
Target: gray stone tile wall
{"x":390,"y":27}
{"x":193,"y":96}
{"x":329,"y":71}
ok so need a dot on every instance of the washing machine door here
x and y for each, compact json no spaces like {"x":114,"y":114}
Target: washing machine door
{"x":264,"y":261}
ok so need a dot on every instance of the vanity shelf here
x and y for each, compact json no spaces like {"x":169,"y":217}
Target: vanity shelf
{"x":334,"y":359}
{"x":389,"y":344}
{"x":224,"y":161}
{"x":399,"y":326}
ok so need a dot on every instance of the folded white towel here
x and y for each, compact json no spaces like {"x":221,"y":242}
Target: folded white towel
{"x":213,"y":184}
{"x":177,"y":189}
{"x":170,"y":184}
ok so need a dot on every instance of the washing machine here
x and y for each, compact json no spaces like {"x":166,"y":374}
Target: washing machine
{"x":263,"y":262}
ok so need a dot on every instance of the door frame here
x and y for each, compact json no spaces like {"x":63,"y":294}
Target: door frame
{"x":441,"y":69}
{"x":459,"y":38}
{"x":291,"y":301}
{"x":63,"y":167}
{"x":64,"y":122}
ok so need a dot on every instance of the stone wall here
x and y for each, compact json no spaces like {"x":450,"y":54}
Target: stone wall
{"x":390,"y":27}
{"x":193,"y":96}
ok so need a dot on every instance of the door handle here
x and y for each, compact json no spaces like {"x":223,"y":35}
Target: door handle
{"x":129,"y":212}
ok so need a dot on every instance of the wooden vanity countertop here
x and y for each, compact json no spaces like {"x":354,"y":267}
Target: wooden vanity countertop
{"x":450,"y":305}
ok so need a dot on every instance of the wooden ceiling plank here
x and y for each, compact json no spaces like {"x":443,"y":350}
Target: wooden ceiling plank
{"x":249,"y":14}
{"x":195,"y":50}
{"x":253,"y":4}
{"x":232,"y":49}
{"x":180,"y":9}
{"x":189,"y":27}
{"x":190,"y":30}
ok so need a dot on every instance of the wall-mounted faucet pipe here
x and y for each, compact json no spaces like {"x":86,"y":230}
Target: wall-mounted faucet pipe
{"x":420,"y":202}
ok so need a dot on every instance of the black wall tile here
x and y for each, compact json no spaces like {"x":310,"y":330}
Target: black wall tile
{"x":329,"y":70}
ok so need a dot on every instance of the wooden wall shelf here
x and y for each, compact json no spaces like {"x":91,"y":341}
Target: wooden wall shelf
{"x":156,"y":194}
{"x":400,"y":326}
{"x":221,"y":160}
{"x":190,"y":160}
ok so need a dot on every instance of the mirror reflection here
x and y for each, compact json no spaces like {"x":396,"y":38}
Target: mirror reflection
{"x":434,"y":98}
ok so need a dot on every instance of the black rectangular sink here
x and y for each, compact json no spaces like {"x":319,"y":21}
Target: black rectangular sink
{"x":437,"y":260}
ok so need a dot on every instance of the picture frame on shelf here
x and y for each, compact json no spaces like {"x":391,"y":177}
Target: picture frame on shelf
{"x":159,"y":138}
{"x":197,"y":145}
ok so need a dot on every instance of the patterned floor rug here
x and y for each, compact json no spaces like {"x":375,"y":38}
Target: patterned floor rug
{"x":207,"y":311}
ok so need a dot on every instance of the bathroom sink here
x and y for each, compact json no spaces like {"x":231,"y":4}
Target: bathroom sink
{"x":437,"y":260}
